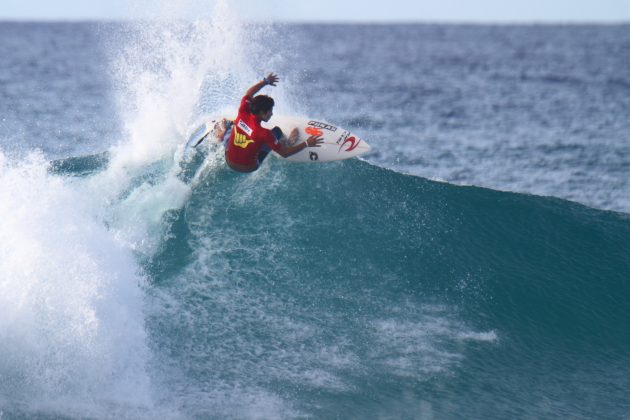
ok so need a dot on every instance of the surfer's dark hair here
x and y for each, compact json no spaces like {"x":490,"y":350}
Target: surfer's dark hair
{"x":261,"y":103}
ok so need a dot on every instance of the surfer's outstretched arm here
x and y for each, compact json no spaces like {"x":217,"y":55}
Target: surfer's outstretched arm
{"x":271,"y":80}
{"x":312,"y":141}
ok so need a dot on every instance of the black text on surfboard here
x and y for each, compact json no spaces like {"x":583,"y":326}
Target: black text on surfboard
{"x":322,"y":125}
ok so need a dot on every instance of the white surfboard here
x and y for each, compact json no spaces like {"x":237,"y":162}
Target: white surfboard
{"x":338,"y":143}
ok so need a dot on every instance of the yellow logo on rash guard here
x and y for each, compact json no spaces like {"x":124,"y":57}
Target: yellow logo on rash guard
{"x":241,"y":140}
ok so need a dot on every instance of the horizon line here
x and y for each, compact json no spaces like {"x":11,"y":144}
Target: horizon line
{"x":455,"y":22}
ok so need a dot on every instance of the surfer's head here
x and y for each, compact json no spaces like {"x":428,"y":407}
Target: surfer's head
{"x":262,"y":106}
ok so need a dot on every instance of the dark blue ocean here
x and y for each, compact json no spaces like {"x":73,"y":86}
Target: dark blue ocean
{"x":474,"y":265}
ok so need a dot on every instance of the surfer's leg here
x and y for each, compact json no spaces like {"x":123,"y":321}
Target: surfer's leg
{"x":264,"y":150}
{"x":293,"y":137}
{"x":283,"y":139}
{"x":277,"y":133}
{"x":262,"y":154}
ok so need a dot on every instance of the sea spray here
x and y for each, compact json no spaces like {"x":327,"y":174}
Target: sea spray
{"x":72,"y":325}
{"x":169,"y":77}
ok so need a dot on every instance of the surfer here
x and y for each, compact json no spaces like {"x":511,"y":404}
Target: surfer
{"x":249,"y":143}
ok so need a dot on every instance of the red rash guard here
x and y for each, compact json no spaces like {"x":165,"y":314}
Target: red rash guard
{"x":248,"y":137}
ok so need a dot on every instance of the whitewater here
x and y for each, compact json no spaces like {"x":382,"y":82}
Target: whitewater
{"x":475,"y":264}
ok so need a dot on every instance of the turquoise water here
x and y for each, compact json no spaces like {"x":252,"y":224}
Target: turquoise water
{"x":348,"y":290}
{"x":388,"y":294}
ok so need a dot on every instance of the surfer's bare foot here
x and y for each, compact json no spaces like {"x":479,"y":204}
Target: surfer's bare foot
{"x":219,"y":129}
{"x":293,"y":137}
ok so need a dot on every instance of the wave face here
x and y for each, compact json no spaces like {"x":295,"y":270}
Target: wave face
{"x":350,"y":290}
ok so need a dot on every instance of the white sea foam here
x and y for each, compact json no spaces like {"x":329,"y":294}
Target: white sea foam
{"x":486,"y":336}
{"x":424,"y":346}
{"x":168,"y":75}
{"x":72,"y":326}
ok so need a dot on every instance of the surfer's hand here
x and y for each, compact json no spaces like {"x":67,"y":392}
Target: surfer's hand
{"x":272,"y":79}
{"x":314,"y":141}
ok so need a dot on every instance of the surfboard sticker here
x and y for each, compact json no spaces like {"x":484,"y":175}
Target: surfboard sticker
{"x":322,"y":125}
